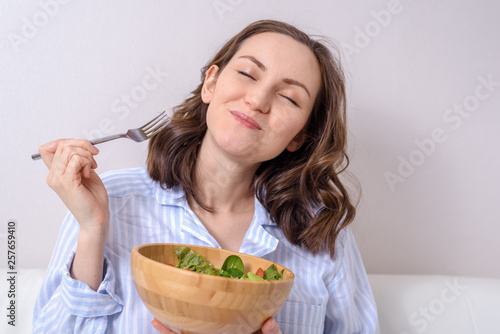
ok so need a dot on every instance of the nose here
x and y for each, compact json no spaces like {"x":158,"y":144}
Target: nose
{"x":259,"y":99}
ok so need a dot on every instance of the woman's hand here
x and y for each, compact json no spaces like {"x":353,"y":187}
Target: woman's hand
{"x":71,"y":166}
{"x":161,"y":328}
{"x":71,"y":175}
{"x":269,"y":327}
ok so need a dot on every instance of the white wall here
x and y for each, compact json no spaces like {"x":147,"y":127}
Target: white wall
{"x":66,"y":71}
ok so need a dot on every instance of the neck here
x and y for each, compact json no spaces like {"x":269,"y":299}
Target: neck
{"x":222,"y":183}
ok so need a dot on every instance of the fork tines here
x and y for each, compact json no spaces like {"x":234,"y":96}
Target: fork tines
{"x":155,"y":125}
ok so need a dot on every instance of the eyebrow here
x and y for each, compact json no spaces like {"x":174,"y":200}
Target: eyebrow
{"x":285,"y":80}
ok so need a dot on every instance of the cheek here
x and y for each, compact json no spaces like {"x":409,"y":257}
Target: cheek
{"x":288,"y":126}
{"x":226,"y":86}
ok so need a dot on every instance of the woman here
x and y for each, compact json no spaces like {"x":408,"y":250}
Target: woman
{"x":249,"y":162}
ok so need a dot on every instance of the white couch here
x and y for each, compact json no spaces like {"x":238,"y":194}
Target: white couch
{"x":437,"y":304}
{"x":406,"y":303}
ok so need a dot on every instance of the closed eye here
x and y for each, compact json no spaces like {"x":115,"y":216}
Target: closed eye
{"x":246,"y":74}
{"x":291,"y":100}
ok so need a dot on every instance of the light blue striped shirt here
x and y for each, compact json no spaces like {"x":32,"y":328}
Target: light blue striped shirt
{"x":328,"y":296}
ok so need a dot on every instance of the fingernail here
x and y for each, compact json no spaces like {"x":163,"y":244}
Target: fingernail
{"x":95,"y":149}
{"x":273,"y":325}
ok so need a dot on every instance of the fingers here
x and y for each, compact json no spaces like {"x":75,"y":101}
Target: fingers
{"x":161,"y":328}
{"x":51,"y":150}
{"x":270,"y":327}
{"x":68,"y":160}
{"x":78,"y":162}
{"x":47,"y":152}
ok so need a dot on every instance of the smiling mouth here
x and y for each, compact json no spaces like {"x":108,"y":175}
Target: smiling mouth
{"x":247,"y":121}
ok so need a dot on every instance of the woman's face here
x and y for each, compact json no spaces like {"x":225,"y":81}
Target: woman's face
{"x":262,"y":99}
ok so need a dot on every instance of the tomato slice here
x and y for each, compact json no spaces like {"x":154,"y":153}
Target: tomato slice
{"x":260,"y":272}
{"x":168,"y":264}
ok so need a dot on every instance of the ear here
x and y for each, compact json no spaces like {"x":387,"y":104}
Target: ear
{"x":297,"y":142}
{"x":208,"y":88}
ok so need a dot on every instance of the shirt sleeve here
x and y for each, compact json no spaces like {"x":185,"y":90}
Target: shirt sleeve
{"x":66,"y":305}
{"x":351,"y":307}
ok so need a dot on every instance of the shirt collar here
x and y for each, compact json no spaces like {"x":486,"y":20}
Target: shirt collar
{"x":257,"y":241}
{"x":172,"y":196}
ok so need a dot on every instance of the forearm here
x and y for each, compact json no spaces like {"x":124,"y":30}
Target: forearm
{"x":89,"y":258}
{"x":67,"y":305}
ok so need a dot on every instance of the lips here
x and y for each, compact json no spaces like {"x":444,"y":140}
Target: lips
{"x":247,"y":121}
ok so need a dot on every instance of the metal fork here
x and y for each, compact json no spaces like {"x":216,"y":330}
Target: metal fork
{"x":140,"y":134}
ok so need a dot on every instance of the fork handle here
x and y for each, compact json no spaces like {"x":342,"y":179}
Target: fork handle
{"x":108,"y":138}
{"x":37,"y":156}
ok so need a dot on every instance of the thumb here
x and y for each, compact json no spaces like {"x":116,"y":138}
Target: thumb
{"x":271,"y":327}
{"x":47,"y":152}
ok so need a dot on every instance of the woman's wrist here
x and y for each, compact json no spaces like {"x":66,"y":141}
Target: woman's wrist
{"x":88,"y":262}
{"x":93,"y":233}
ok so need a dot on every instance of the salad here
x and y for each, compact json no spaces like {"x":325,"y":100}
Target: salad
{"x":233,"y":267}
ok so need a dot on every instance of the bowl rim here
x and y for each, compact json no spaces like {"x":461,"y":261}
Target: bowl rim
{"x":166,"y":267}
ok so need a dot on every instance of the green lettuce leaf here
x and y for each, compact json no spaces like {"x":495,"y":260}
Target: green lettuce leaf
{"x":188,"y":259}
{"x":271,"y":274}
{"x":233,"y":266}
{"x":252,"y":277}
{"x":233,"y":262}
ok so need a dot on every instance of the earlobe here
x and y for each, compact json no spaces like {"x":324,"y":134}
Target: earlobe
{"x":209,"y":84}
{"x":296,"y":142}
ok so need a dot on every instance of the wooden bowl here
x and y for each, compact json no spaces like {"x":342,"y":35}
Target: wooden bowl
{"x":200,"y":304}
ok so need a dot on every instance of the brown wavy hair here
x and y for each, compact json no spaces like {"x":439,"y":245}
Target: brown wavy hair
{"x":301,"y":190}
